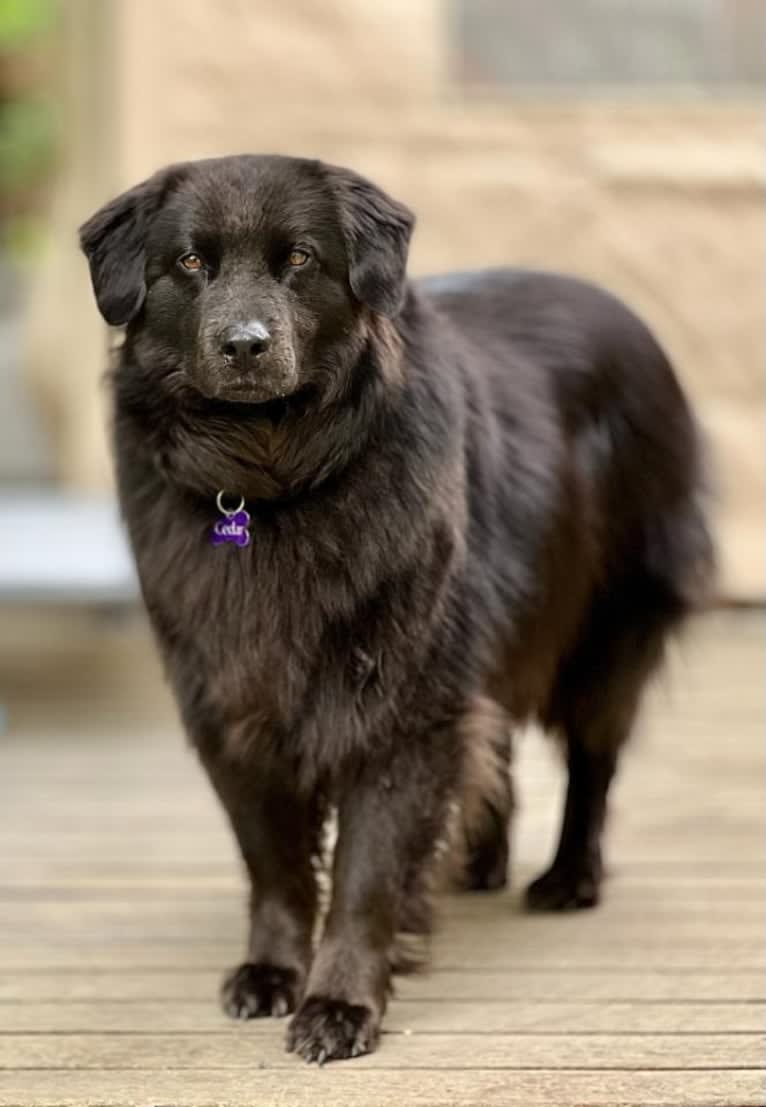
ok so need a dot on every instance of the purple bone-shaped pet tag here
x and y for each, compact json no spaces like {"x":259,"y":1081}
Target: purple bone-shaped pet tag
{"x":233,"y":526}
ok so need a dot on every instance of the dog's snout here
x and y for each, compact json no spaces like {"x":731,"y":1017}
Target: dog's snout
{"x":243,"y":343}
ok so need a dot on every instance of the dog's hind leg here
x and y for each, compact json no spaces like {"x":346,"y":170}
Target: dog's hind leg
{"x":595,"y":703}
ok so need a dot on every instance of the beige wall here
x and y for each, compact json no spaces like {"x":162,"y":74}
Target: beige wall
{"x":662,"y":201}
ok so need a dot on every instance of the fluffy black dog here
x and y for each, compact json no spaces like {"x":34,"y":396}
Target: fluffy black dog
{"x":462,"y":503}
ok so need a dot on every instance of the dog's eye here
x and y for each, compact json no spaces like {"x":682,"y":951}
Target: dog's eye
{"x":192,"y":263}
{"x":297,"y":258}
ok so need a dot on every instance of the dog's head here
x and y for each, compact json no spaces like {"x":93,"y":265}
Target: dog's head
{"x":243,"y":274}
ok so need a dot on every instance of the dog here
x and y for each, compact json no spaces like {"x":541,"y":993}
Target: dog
{"x":377,"y":523}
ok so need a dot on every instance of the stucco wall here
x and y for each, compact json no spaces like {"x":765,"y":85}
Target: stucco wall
{"x":660,"y":199}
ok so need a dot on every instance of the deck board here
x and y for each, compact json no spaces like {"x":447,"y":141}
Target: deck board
{"x":121,"y":902}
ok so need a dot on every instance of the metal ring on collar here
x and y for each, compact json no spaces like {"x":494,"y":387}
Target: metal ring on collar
{"x":226,"y":510}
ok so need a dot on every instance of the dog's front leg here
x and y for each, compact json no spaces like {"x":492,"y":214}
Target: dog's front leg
{"x":278,"y":832}
{"x":390,"y":818}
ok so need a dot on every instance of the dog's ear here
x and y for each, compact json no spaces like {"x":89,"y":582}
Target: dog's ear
{"x":113,"y":241}
{"x":376,"y":230}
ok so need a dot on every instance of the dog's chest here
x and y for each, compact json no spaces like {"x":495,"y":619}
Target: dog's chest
{"x":224,"y":586}
{"x":271,"y":630}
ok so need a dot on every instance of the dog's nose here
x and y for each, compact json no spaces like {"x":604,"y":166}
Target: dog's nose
{"x":244,"y":342}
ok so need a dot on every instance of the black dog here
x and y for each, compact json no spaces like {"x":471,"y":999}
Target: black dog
{"x":445,"y":507}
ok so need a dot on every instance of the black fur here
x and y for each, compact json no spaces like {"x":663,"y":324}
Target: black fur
{"x":473,"y":501}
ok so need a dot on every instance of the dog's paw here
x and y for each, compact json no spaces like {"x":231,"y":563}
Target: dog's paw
{"x":565,"y":888}
{"x":486,"y":868}
{"x":258,"y":990}
{"x":331,"y":1030}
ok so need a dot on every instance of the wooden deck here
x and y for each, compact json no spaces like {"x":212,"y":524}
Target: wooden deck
{"x":121,"y":903}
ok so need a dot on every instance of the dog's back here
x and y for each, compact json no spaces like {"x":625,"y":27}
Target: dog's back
{"x":632,"y":446}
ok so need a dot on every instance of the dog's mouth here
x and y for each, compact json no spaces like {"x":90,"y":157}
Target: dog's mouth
{"x":237,"y":398}
{"x":241,"y":390}
{"x":243,"y":406}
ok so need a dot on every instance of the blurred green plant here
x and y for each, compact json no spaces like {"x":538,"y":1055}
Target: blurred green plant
{"x":25,"y":143}
{"x":22,"y":21}
{"x":26,"y":117}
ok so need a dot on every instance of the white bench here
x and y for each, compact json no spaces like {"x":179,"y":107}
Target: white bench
{"x":60,"y":548}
